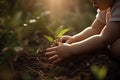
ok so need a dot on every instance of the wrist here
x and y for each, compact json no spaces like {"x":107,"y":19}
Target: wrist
{"x":72,"y":50}
{"x":72,"y":39}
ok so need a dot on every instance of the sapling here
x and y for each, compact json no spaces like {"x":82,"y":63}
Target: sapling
{"x":55,"y":35}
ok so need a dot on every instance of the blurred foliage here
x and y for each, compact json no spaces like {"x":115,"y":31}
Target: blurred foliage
{"x":100,"y":73}
{"x":17,"y":24}
{"x":4,"y":7}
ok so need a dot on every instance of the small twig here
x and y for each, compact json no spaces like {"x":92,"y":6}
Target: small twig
{"x":31,"y":69}
{"x":12,"y":67}
{"x":16,"y":58}
{"x":41,"y":73}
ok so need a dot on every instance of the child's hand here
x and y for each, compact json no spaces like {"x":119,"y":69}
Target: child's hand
{"x":56,"y":43}
{"x":66,"y":39}
{"x":63,"y":39}
{"x":56,"y":54}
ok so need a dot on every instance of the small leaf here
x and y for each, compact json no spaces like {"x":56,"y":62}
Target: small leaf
{"x":62,"y":32}
{"x":49,"y":38}
{"x":99,"y":73}
{"x":18,"y":49}
{"x":58,"y":30}
{"x":45,"y":13}
{"x":102,"y":73}
{"x":49,"y":29}
{"x":39,"y":49}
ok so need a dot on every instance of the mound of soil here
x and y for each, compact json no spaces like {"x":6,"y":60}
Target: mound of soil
{"x":76,"y":68}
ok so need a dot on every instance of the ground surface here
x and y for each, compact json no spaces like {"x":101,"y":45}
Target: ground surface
{"x":37,"y":67}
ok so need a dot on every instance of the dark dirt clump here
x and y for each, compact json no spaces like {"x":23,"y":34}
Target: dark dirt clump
{"x":29,"y":67}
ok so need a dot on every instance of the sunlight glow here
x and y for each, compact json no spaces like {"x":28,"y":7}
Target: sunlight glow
{"x":61,"y":9}
{"x":25,"y":25}
{"x":59,"y":6}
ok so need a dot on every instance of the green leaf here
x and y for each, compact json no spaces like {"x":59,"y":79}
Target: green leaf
{"x":49,"y":38}
{"x":62,"y":32}
{"x":18,"y":49}
{"x":102,"y":73}
{"x":49,"y":29}
{"x":58,"y":30}
{"x":99,"y":73}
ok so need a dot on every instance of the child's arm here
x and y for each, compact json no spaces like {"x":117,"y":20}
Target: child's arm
{"x":94,"y":29}
{"x":109,"y":34}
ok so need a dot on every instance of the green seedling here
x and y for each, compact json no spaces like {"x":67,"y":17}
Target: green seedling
{"x":55,"y":35}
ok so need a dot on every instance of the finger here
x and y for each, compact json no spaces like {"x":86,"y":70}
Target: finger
{"x":51,"y":49}
{"x":53,"y":58}
{"x":69,"y":41}
{"x":54,"y":41}
{"x":62,"y":39}
{"x":58,"y":60}
{"x":49,"y":54}
{"x":59,"y":39}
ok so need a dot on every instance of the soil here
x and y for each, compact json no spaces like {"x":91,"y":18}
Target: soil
{"x":28,"y":67}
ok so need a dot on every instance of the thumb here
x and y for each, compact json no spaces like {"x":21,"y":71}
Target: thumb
{"x":69,"y":41}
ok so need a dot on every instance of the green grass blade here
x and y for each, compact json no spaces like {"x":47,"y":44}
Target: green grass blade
{"x":62,"y":32}
{"x":58,"y":30}
{"x":49,"y":38}
{"x":51,"y":31}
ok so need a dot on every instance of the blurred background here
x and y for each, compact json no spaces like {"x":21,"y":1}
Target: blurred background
{"x":76,"y":14}
{"x":23,"y":23}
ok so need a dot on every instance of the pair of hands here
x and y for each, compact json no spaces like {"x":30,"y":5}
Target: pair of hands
{"x":58,"y":53}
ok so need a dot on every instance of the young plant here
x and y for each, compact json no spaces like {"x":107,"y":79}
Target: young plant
{"x":55,"y":35}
